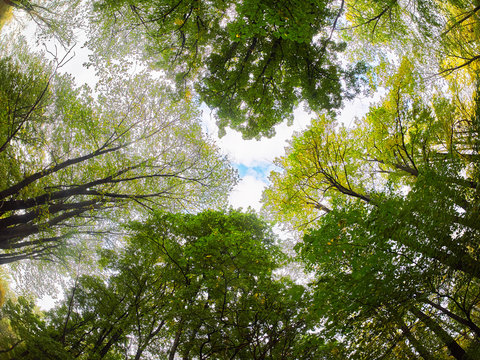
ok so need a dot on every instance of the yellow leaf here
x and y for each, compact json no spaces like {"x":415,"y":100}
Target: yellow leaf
{"x":178,"y":21}
{"x":188,"y":97}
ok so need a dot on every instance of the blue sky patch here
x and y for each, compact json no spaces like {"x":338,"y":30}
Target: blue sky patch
{"x":260,"y":171}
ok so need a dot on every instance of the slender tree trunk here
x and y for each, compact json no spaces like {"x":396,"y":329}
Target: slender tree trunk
{"x":455,"y":350}
{"x":113,"y":340}
{"x":424,"y":353}
{"x":176,"y":341}
{"x":141,"y":349}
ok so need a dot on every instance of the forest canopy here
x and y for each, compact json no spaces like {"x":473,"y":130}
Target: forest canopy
{"x":121,"y":192}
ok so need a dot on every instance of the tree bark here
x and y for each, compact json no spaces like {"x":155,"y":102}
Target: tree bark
{"x":176,"y":341}
{"x":455,"y":350}
{"x":424,"y":353}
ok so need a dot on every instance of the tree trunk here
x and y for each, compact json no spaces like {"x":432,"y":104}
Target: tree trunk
{"x":424,"y":353}
{"x":455,"y":350}
{"x":176,"y":342}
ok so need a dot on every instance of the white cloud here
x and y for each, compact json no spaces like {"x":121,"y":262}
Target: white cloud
{"x":358,"y":107}
{"x":254,"y":153}
{"x":247,"y":193}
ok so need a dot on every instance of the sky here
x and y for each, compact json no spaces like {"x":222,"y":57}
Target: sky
{"x":252,"y":158}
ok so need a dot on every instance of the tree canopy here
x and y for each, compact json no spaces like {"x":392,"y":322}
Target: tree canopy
{"x":69,"y":160}
{"x":252,"y":61}
{"x":255,"y":61}
{"x":382,"y":206}
{"x":389,"y":207}
{"x":194,"y":285}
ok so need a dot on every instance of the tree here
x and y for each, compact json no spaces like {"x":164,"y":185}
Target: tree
{"x":374,"y":293}
{"x":253,"y":61}
{"x":458,"y":53}
{"x":388,"y":207}
{"x":200,"y":286}
{"x":69,"y":161}
{"x":392,"y":21}
{"x":385,"y":30}
{"x":405,"y":143}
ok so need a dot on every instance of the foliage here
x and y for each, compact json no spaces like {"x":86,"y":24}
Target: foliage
{"x":197,"y":285}
{"x":252,"y":61}
{"x":54,"y":18}
{"x":387,"y":206}
{"x":69,"y":160}
{"x":5,"y":14}
{"x":390,"y":204}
